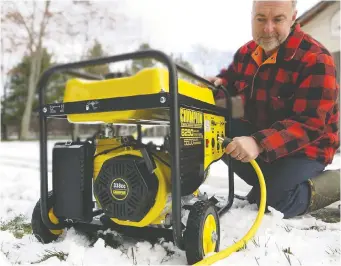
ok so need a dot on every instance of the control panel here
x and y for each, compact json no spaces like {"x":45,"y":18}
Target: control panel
{"x":214,"y":127}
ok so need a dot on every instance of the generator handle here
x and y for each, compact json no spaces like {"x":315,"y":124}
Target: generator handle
{"x":174,"y":125}
{"x":188,"y":72}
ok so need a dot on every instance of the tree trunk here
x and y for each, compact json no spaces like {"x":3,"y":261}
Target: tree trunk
{"x":37,"y":57}
{"x":3,"y":128}
{"x":3,"y":112}
{"x":34,"y":74}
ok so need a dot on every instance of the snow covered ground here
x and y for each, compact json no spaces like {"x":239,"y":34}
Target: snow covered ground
{"x":299,"y":241}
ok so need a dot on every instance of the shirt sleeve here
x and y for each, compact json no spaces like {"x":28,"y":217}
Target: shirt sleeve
{"x":313,"y":103}
{"x":228,"y":75}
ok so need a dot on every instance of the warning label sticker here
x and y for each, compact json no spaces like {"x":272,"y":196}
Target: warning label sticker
{"x":192,"y":124}
{"x":207,"y":125}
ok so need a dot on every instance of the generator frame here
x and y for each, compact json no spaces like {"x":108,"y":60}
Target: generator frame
{"x":172,"y":100}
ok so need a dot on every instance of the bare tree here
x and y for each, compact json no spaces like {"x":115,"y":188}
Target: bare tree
{"x":32,"y":25}
{"x":34,"y":34}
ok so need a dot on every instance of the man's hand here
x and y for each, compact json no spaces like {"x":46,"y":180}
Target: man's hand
{"x":244,"y":149}
{"x":215,"y":80}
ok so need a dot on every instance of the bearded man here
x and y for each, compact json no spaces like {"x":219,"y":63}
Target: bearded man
{"x":287,"y":81}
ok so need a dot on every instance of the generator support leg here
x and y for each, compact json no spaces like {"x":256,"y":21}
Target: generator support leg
{"x":43,"y":175}
{"x":175,"y":151}
{"x":43,"y":171}
{"x":43,"y":155}
{"x":225,"y":158}
{"x":228,"y":162}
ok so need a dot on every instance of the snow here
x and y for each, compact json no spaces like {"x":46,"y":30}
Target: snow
{"x":311,"y":241}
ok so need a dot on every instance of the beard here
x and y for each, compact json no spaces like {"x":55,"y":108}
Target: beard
{"x":269,"y":42}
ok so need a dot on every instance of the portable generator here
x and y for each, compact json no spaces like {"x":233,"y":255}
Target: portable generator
{"x":119,"y":181}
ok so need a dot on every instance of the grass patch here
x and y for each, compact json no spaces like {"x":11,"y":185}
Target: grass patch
{"x":287,"y":252}
{"x":328,"y":215}
{"x":17,"y":226}
{"x":62,"y":256}
{"x":316,"y":228}
{"x":244,"y":247}
{"x":334,"y":251}
{"x":287,"y":228}
{"x":256,"y":242}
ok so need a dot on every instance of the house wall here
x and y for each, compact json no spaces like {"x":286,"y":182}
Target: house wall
{"x":321,"y":27}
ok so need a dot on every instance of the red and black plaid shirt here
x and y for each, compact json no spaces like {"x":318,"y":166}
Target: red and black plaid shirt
{"x":291,"y":97}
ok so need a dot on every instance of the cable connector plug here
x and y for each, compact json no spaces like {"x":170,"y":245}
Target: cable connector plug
{"x":224,"y":141}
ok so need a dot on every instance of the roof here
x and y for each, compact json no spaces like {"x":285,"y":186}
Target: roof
{"x":307,"y":16}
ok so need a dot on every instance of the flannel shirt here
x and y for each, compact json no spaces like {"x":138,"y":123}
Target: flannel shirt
{"x":291,"y":98}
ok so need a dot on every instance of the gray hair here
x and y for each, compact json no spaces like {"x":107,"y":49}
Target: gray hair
{"x":294,"y":4}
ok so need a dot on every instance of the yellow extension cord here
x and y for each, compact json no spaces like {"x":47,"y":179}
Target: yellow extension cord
{"x":241,"y":243}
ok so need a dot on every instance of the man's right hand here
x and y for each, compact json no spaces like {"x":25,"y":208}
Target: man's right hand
{"x":215,"y":80}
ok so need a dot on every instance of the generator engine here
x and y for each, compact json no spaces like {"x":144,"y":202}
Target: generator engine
{"x":132,"y":182}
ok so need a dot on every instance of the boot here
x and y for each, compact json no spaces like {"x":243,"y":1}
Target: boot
{"x":325,"y":190}
{"x":250,"y":197}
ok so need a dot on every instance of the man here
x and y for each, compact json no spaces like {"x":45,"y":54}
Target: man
{"x":287,"y":81}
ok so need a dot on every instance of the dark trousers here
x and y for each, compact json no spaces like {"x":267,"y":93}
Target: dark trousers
{"x":286,"y":178}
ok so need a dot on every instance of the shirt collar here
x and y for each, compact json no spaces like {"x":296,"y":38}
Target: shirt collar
{"x":287,"y":49}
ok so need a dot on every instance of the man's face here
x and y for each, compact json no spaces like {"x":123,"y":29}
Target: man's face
{"x":271,"y":22}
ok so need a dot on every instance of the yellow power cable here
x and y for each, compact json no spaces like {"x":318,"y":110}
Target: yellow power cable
{"x":241,"y":243}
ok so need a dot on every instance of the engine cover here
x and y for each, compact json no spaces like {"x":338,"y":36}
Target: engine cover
{"x":125,"y":188}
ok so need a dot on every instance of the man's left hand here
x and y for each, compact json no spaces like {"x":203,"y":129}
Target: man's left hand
{"x":244,"y":149}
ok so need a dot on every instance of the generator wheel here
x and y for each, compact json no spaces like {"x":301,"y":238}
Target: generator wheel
{"x":202,"y":234}
{"x":39,"y":229}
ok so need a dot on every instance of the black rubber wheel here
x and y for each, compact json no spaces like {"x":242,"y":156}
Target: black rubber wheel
{"x":203,"y":214}
{"x":39,"y":229}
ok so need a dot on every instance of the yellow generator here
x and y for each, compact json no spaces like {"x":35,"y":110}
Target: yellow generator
{"x":120,"y":182}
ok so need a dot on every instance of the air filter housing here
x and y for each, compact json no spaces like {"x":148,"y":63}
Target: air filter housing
{"x":125,"y":188}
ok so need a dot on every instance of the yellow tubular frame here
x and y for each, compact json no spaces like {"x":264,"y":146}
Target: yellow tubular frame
{"x":241,"y":243}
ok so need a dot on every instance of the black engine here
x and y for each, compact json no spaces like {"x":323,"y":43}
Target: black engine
{"x":126,"y":188}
